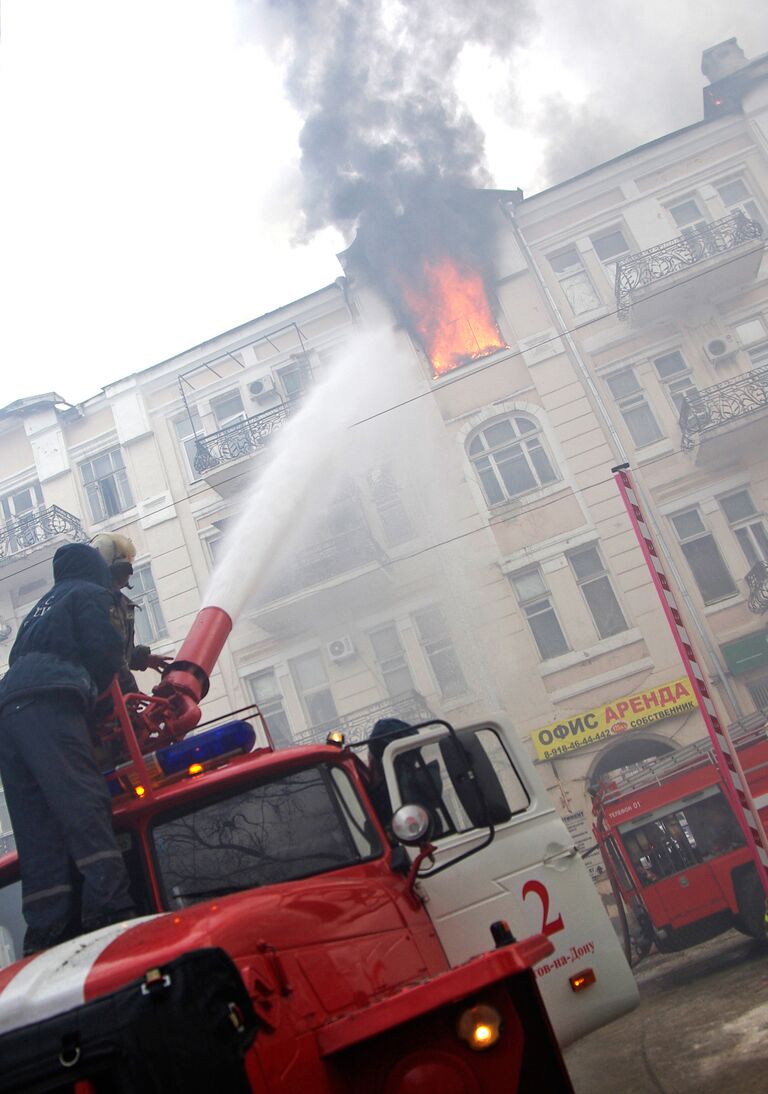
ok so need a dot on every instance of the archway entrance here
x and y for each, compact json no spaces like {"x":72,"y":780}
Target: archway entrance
{"x":627,"y":751}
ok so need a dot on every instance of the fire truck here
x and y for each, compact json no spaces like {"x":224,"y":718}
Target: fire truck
{"x":316,"y":918}
{"x":674,"y":847}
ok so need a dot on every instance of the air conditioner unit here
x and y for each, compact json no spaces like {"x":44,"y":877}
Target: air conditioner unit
{"x":262,"y":389}
{"x":719,"y":350}
{"x":341,"y":648}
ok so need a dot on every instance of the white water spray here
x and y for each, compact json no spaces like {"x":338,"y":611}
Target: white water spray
{"x":308,"y":456}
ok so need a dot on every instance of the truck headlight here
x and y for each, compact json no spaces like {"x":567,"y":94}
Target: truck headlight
{"x":480,"y":1026}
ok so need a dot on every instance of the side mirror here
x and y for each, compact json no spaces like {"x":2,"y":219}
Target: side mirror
{"x":412,"y":825}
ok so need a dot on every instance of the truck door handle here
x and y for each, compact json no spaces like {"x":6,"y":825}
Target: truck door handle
{"x":560,"y":857}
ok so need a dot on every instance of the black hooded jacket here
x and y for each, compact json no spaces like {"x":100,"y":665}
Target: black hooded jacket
{"x":67,"y":642}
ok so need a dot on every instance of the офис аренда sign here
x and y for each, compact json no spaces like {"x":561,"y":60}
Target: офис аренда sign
{"x":630,"y":712}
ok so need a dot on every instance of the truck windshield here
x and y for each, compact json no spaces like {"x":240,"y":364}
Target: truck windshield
{"x":304,"y":822}
{"x":681,"y":836}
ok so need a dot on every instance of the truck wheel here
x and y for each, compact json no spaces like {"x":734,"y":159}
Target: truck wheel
{"x":753,"y":909}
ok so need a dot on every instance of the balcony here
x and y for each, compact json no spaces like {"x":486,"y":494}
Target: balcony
{"x":675,"y":275}
{"x":215,"y":452}
{"x":39,"y":531}
{"x":312,"y":583}
{"x":757,"y":583}
{"x":726,"y":417}
{"x":409,"y":707}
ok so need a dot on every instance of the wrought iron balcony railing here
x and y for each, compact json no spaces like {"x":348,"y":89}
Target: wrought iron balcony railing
{"x":722,"y":403}
{"x":410,"y":707}
{"x":757,"y":583}
{"x":241,"y":438}
{"x":645,"y":268}
{"x":325,"y":560}
{"x":37,"y":527}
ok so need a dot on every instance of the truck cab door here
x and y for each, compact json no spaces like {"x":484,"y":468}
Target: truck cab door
{"x":529,"y":874}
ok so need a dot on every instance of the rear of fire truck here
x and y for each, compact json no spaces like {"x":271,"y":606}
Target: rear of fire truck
{"x":282,"y":944}
{"x":674,"y":847}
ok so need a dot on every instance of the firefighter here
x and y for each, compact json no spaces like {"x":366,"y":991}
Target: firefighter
{"x":66,"y":652}
{"x":419,"y":781}
{"x":119,"y":552}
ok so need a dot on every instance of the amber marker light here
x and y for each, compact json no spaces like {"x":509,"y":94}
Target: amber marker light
{"x":480,"y":1027}
{"x":336,"y":737}
{"x":581,"y":980}
{"x":139,"y":791}
{"x":195,"y":769}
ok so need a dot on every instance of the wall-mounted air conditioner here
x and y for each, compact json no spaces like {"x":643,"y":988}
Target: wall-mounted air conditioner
{"x":721,"y":349}
{"x":261,"y":389}
{"x":341,"y":648}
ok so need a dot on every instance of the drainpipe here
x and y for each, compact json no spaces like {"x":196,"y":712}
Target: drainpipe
{"x":601,"y":410}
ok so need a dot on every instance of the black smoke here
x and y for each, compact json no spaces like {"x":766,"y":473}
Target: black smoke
{"x":375,"y":84}
{"x":388,"y":151}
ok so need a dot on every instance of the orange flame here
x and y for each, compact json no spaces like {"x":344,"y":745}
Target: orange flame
{"x":450,"y":312}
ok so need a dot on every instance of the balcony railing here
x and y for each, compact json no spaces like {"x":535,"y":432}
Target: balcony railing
{"x":644,"y":269}
{"x":241,"y":438}
{"x":722,"y":403}
{"x":409,"y":707}
{"x":757,"y":583}
{"x":36,"y":528}
{"x":325,"y":560}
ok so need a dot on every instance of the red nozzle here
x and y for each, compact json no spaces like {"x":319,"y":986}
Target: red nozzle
{"x":186,"y":682}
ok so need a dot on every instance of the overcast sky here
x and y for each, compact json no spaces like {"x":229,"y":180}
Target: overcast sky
{"x":150,"y":191}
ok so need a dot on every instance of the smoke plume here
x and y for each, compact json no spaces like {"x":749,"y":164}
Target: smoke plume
{"x":374,"y":82}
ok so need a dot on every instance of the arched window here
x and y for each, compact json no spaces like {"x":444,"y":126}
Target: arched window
{"x":510,"y":458}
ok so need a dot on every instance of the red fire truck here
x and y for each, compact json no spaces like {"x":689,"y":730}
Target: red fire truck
{"x":295,"y":935}
{"x":674,"y":847}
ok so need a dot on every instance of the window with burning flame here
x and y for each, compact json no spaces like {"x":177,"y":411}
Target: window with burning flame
{"x":510,"y":458}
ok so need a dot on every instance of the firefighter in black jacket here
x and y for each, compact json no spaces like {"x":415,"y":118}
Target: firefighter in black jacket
{"x":66,"y":652}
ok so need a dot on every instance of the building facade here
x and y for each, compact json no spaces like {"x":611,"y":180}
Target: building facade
{"x":472,"y":552}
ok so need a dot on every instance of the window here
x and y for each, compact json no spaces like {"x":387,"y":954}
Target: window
{"x":510,"y":459}
{"x":106,"y":485}
{"x":150,"y":624}
{"x":575,"y":281}
{"x":533,"y":597}
{"x":296,"y":378}
{"x":390,"y":657}
{"x":596,"y":587}
{"x":680,"y":838}
{"x":736,"y":197}
{"x":430,"y":775}
{"x":393,"y":516}
{"x":297,"y":825}
{"x":308,"y":672}
{"x":610,"y":247}
{"x":758,"y":355}
{"x":635,"y":410}
{"x":747,"y":525}
{"x":703,"y":556}
{"x":20,"y":509}
{"x":267,"y":694}
{"x":437,"y":644}
{"x":758,"y":689}
{"x":688,"y":217}
{"x":22,"y":501}
{"x":228,"y":409}
{"x":188,"y":429}
{"x":676,"y":377}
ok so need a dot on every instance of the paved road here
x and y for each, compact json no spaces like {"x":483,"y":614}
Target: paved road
{"x":702,"y":1026}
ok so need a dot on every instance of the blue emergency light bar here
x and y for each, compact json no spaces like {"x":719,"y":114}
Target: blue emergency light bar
{"x":193,"y":752}
{"x":222,"y":741}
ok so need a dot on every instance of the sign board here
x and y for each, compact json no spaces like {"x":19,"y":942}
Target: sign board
{"x":630,"y":712}
{"x":746,"y":653}
{"x":582,"y":835}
